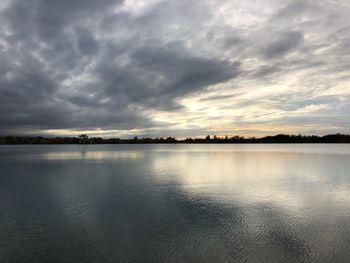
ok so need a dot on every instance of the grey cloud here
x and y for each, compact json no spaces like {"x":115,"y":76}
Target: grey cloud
{"x":285,"y":43}
{"x":86,"y":42}
{"x":90,"y":64}
{"x":25,"y":92}
{"x":265,"y":71}
{"x":28,"y":91}
{"x":291,"y":105}
{"x":219,"y":97}
{"x":184,"y":73}
{"x":155,"y":77}
{"x":49,"y":18}
{"x":294,"y":9}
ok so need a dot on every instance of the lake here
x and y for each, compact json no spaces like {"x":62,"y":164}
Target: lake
{"x":175,"y":203}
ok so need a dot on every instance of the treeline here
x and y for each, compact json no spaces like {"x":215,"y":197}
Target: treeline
{"x":84,"y":139}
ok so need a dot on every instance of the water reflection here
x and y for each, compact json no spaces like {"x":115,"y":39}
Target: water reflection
{"x":91,"y":155}
{"x":174,"y":204}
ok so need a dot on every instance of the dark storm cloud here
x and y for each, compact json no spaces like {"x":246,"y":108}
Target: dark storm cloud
{"x":182,"y":72}
{"x":26,"y":92}
{"x":156,"y":77}
{"x":61,"y":47}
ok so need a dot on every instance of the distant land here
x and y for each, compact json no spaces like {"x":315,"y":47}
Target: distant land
{"x":84,"y":139}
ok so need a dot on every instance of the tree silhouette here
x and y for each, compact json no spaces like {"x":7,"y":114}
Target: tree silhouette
{"x":83,"y":138}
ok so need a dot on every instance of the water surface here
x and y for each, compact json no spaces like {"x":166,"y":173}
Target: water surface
{"x":175,"y":203}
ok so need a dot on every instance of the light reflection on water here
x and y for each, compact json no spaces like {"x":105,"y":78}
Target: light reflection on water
{"x":91,"y":155}
{"x":175,"y":203}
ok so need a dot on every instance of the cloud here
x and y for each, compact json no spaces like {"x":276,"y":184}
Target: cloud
{"x":287,"y":42}
{"x":170,"y":66}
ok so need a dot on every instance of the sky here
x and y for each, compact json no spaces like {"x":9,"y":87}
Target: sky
{"x":181,"y":68}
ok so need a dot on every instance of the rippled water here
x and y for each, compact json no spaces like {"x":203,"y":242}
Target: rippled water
{"x":175,"y":203}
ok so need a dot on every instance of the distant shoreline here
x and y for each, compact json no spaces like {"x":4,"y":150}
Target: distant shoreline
{"x":84,"y":139}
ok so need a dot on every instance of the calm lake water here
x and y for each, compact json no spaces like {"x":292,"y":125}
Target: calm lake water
{"x":175,"y":203}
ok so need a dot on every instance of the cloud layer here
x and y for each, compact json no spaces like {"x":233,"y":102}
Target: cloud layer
{"x":174,"y":68}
